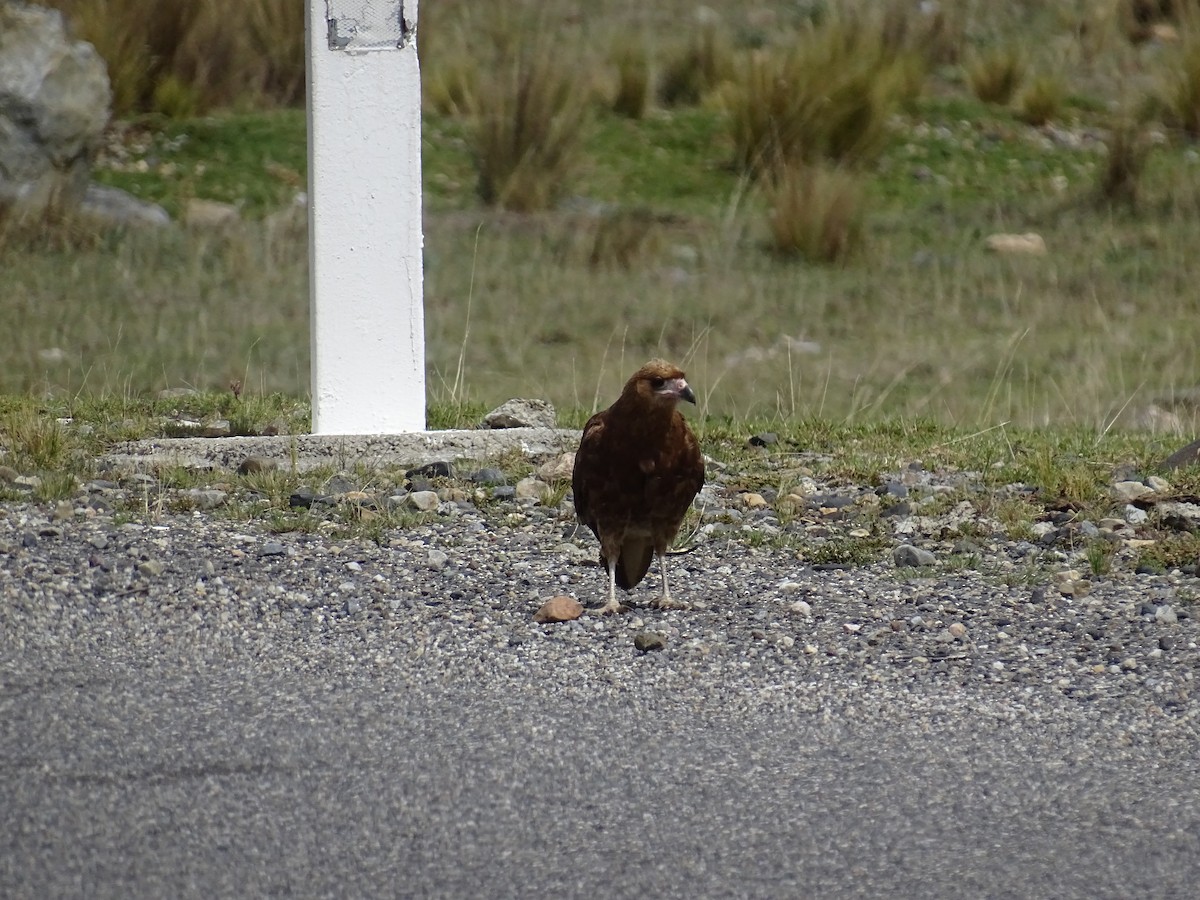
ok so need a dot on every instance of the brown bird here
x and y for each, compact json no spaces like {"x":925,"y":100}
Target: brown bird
{"x":637,"y":470}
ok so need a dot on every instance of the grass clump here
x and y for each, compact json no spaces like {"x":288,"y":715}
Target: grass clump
{"x":1042,"y":101}
{"x":32,"y":441}
{"x":632,"y":96}
{"x":829,"y":97}
{"x":1120,"y":176}
{"x":995,"y":75}
{"x":179,"y":57}
{"x":1179,"y":93}
{"x":696,"y":67}
{"x":526,"y":134}
{"x":816,"y":212}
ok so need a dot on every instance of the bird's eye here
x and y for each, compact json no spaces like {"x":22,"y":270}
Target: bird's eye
{"x":657,"y":383}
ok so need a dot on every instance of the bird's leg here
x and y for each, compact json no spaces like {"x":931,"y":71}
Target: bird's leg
{"x":665,"y":601}
{"x":613,"y":605}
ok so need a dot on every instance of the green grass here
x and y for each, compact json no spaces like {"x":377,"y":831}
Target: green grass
{"x":921,"y":323}
{"x":255,"y":160}
{"x":61,"y":440}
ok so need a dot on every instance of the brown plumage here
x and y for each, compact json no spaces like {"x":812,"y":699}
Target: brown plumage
{"x":637,"y":470}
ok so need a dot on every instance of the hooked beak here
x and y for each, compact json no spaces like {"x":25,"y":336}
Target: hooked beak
{"x":683,"y":390}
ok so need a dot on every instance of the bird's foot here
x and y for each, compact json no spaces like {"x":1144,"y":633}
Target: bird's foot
{"x":665,"y":602}
{"x":610,"y":608}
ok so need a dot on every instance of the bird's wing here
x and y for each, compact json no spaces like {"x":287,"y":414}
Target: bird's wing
{"x":668,"y":497}
{"x":587,"y":475}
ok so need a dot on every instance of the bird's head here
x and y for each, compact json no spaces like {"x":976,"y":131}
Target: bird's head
{"x":659,"y":383}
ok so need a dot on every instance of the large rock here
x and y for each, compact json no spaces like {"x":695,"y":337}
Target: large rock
{"x":54,"y":105}
{"x":55,"y":100}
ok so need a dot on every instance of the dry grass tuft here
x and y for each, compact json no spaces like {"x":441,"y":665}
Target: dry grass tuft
{"x":632,"y":97}
{"x":624,"y":237}
{"x":696,"y":67}
{"x":930,"y":30}
{"x":829,"y":97}
{"x":816,"y":212}
{"x":995,"y":75}
{"x":179,"y":57}
{"x":1179,"y":93}
{"x":526,"y":135}
{"x":1042,"y":101}
{"x":1121,"y":175}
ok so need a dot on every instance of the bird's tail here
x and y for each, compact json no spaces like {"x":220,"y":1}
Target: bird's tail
{"x":633,"y":562}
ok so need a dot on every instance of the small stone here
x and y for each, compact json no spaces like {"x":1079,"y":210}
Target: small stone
{"x":272,"y":548}
{"x":802,"y":607}
{"x":339,"y":484}
{"x":207,"y":215}
{"x":521,"y":414}
{"x":1128,"y":491}
{"x":1165,"y":615}
{"x":558,"y":609}
{"x":558,"y":469}
{"x":1071,"y":584}
{"x":765,"y":439}
{"x":504,"y":492}
{"x":99,"y":541}
{"x":908,"y":556}
{"x":1028,"y":244}
{"x":1184,"y":456}
{"x":1158,"y":484}
{"x":489,"y":476}
{"x":436,"y":469}
{"x":645,"y":641}
{"x":302,"y":498}
{"x":254,"y":465}
{"x":425,"y":501}
{"x":151,"y":568}
{"x":532,"y":488}
{"x":752,"y":500}
{"x":206,"y":498}
{"x":1180,"y":515}
{"x":216,"y":428}
{"x":1134,"y":515}
{"x":438,"y":559}
{"x":957,"y":630}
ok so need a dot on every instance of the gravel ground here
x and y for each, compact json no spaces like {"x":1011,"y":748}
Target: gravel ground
{"x":454,"y":598}
{"x":1100,"y":671}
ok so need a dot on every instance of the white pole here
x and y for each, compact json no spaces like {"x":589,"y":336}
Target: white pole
{"x":364,"y":216}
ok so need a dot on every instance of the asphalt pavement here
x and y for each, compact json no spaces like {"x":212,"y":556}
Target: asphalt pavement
{"x":167,"y":780}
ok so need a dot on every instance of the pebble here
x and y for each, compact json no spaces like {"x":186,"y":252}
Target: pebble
{"x":424,"y":501}
{"x":559,"y":609}
{"x":646,"y":641}
{"x":1128,"y":491}
{"x":206,"y":499}
{"x":254,"y":465}
{"x":489,"y":477}
{"x":532,"y":488}
{"x":908,"y":556}
{"x":1165,"y":615}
